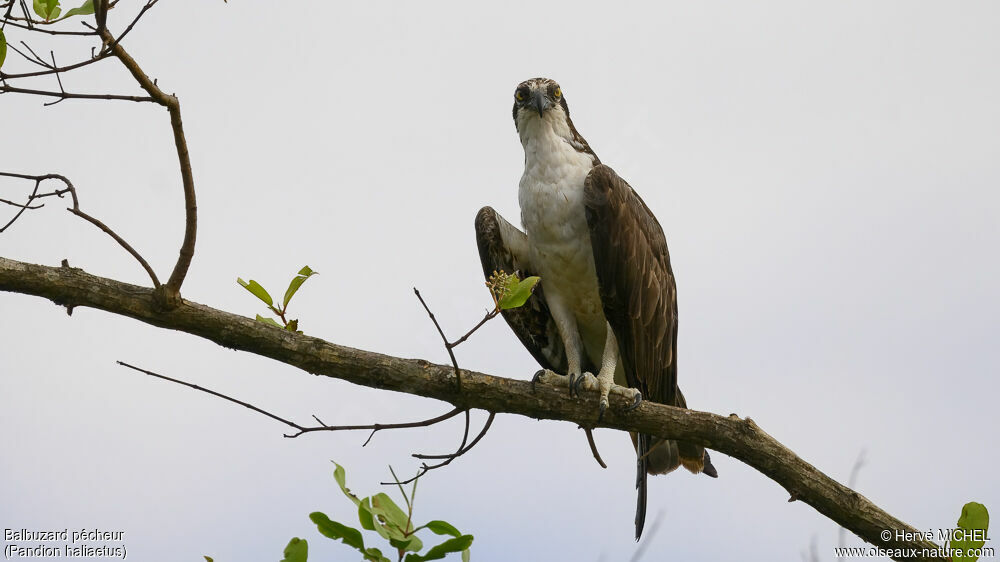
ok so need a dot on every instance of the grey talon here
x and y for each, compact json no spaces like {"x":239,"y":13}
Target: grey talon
{"x":534,"y":379}
{"x":600,"y":416}
{"x":634,"y":405}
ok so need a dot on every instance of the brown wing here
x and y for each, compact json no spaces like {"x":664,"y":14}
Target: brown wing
{"x":640,"y":302}
{"x":502,"y":247}
{"x":636,"y":283}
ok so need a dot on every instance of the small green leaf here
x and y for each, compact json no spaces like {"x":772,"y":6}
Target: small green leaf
{"x":338,"y":531}
{"x":442,"y":528}
{"x":258,"y":291}
{"x":366,"y":518}
{"x":466,"y":555}
{"x":375,"y":555}
{"x":970,"y":535}
{"x":409,"y":544}
{"x":293,"y":287}
{"x":517,"y":292}
{"x":457,"y":544}
{"x":296,"y":551}
{"x":385,"y":509}
{"x":340,"y":475}
{"x":292,"y":326}
{"x":3,"y":48}
{"x":270,"y":321}
{"x":209,"y":559}
{"x":85,"y":9}
{"x":47,"y":9}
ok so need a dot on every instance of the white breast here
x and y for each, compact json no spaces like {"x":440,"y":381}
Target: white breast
{"x":553,"y":216}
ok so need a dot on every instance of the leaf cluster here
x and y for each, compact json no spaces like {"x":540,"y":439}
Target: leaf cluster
{"x":280,"y":310}
{"x":509,"y":291}
{"x":49,"y":11}
{"x":380,"y":514}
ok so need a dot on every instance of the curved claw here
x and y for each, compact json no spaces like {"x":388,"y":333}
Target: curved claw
{"x":634,"y":405}
{"x":536,"y":378}
{"x":600,"y":416}
{"x":574,"y":381}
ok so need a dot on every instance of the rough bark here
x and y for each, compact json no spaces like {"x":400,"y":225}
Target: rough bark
{"x":737,"y":437}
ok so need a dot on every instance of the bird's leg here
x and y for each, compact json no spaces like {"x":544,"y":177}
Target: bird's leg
{"x":605,"y":379}
{"x":570,"y":335}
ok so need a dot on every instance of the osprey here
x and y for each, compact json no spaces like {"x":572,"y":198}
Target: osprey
{"x":607,"y":302}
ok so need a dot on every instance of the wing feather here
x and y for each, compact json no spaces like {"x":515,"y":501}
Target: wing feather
{"x":502,"y":247}
{"x":636,"y":282}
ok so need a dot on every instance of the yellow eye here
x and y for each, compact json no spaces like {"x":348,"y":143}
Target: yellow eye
{"x":557,"y":93}
{"x":519,"y":95}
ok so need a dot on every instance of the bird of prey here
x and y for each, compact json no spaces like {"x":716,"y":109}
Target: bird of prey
{"x":607,"y":302}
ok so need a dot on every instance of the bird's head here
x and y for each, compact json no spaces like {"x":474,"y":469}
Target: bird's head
{"x":536,"y":99}
{"x":539,"y":105}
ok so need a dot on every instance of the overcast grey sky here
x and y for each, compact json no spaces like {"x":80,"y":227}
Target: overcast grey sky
{"x":826,"y":175}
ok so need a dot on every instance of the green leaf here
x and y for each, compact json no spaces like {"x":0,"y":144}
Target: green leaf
{"x":375,"y":555}
{"x":366,"y":518}
{"x":340,"y":475}
{"x":270,"y":321}
{"x":304,"y":273}
{"x":409,"y":544}
{"x":457,"y":544}
{"x":47,"y":9}
{"x":970,"y":535}
{"x":292,"y":326}
{"x":85,"y":9}
{"x":258,"y":291}
{"x":338,"y":531}
{"x":466,"y":555}
{"x":3,"y":48}
{"x":443,"y":528}
{"x":386,"y":510}
{"x":296,"y":551}
{"x":517,"y":292}
{"x":209,"y":559}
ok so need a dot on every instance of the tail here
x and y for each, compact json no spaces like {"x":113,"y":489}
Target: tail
{"x":660,"y":456}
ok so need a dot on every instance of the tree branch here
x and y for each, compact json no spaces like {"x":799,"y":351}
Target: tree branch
{"x":739,"y":438}
{"x":170,"y":296}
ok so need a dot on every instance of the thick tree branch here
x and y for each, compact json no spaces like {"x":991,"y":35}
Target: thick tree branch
{"x":739,"y":438}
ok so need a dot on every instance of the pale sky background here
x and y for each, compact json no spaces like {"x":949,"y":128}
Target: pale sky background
{"x":827,"y":177}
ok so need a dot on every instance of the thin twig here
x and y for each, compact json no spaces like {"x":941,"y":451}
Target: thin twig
{"x":75,"y":209}
{"x":213,"y":393}
{"x":452,"y":456}
{"x":68,"y":95}
{"x":447,"y":345}
{"x":593,"y":447}
{"x":302,"y":429}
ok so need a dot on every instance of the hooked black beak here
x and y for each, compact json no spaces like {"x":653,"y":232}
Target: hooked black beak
{"x":539,"y":101}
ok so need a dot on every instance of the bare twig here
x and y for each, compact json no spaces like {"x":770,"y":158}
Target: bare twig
{"x":75,"y":209}
{"x":447,"y":344}
{"x":67,"y":95}
{"x":301,"y":429}
{"x":593,"y":447}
